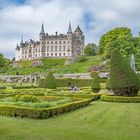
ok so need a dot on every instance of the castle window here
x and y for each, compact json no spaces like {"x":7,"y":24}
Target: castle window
{"x":30,"y":50}
{"x":43,"y":49}
{"x":59,"y":42}
{"x":59,"y":48}
{"x":59,"y":54}
{"x":55,"y":48}
{"x":64,"y":42}
{"x":51,"y":54}
{"x":55,"y":42}
{"x":47,"y":42}
{"x":55,"y":54}
{"x":64,"y":48}
{"x":47,"y":48}
{"x":47,"y":54}
{"x":51,"y":48}
{"x":51,"y":42}
{"x":64,"y":54}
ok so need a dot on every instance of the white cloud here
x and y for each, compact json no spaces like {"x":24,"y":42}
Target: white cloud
{"x":25,"y":20}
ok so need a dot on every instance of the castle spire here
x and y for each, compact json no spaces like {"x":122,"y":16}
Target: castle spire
{"x":21,"y":41}
{"x":69,"y":29}
{"x":42,"y":29}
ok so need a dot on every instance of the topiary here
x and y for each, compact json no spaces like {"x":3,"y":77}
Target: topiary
{"x":41,"y":83}
{"x":95,"y":86}
{"x":50,"y":81}
{"x":94,"y":74}
{"x":108,"y":86}
{"x":124,"y":81}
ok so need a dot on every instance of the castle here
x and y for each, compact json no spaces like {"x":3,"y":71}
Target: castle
{"x":69,"y":46}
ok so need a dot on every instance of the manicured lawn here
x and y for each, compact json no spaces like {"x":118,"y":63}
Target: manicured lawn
{"x":98,"y":121}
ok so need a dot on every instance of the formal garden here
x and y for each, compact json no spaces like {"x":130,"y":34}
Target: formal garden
{"x":74,"y":108}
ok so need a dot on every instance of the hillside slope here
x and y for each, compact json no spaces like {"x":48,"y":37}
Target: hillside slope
{"x":58,"y":66}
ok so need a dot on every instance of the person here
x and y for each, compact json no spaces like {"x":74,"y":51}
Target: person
{"x":76,"y":89}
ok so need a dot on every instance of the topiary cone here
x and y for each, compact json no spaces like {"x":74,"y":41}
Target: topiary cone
{"x":95,"y":86}
{"x":123,"y":80}
{"x":50,"y":81}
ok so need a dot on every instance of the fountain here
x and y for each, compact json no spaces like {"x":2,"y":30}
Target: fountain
{"x":132,"y":62}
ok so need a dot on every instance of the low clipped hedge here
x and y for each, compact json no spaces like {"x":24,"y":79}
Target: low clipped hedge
{"x":36,"y":91}
{"x":24,"y":87}
{"x":25,"y":98}
{"x":120,"y":99}
{"x":64,"y":82}
{"x":39,"y":113}
{"x":92,"y":97}
{"x":2,"y":87}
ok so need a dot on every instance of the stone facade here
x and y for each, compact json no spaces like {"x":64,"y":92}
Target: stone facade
{"x":69,"y":46}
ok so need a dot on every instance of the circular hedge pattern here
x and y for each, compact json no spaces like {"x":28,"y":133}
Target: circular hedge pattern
{"x":120,"y":99}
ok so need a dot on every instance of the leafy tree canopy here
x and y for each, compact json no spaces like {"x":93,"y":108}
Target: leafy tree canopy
{"x":3,"y":61}
{"x":90,"y":49}
{"x":120,"y":38}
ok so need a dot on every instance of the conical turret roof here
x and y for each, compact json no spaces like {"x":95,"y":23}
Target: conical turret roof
{"x":78,"y":29}
{"x":42,"y":29}
{"x":69,"y":29}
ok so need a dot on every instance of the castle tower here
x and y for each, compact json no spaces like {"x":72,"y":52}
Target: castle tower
{"x":42,"y":33}
{"x":69,"y":33}
{"x":78,"y":32}
{"x":21,"y":42}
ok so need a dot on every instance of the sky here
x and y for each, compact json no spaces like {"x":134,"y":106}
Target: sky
{"x":23,"y":18}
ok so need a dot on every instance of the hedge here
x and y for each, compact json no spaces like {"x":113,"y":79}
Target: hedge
{"x":120,"y":99}
{"x":2,"y":87}
{"x":24,"y":87}
{"x":93,"y":97}
{"x":22,"y":112}
{"x":36,"y":91}
{"x":64,"y":82}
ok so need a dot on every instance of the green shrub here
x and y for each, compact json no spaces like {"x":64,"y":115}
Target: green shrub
{"x":2,"y":87}
{"x":25,"y":98}
{"x":124,"y":81}
{"x":35,"y":91}
{"x":41,"y":83}
{"x":138,"y":74}
{"x":93,"y":97}
{"x":64,"y":82}
{"x":82,"y":58}
{"x":96,"y":85}
{"x":94,"y":74}
{"x":120,"y":99}
{"x":24,"y":87}
{"x":42,"y":113}
{"x":108,"y":86}
{"x":50,"y":81}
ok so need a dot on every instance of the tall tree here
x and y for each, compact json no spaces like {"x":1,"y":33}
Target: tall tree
{"x":2,"y":60}
{"x":90,"y":49}
{"x":120,"y":38}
